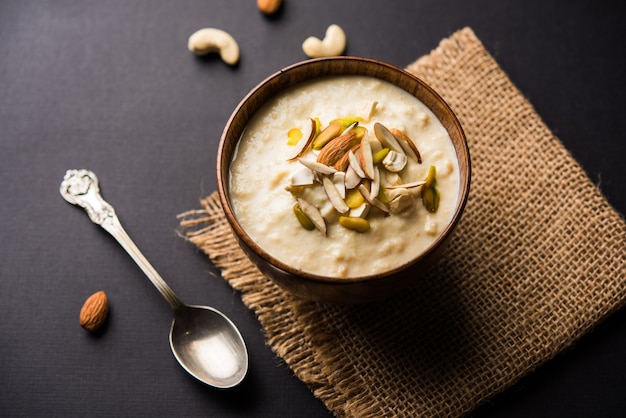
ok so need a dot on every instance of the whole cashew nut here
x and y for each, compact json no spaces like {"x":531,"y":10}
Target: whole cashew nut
{"x":207,"y":40}
{"x":333,"y":44}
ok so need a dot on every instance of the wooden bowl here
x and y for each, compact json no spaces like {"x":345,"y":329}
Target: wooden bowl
{"x":328,"y":289}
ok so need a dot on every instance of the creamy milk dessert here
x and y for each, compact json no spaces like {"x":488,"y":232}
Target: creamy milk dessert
{"x":345,"y":176}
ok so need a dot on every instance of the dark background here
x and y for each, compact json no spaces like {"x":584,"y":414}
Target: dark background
{"x":110,"y":86}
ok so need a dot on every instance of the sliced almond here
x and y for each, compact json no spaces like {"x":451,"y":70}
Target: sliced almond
{"x":386,"y":138}
{"x":333,"y":195}
{"x":356,"y":166}
{"x":336,"y":148}
{"x":339,"y":180}
{"x":307,"y":144}
{"x":313,"y":214}
{"x":411,"y":185}
{"x":317,"y":167}
{"x":352,"y":178}
{"x":360,"y":211}
{"x":407,"y":144}
{"x":343,"y":163}
{"x":366,"y":159}
{"x":375,"y":185}
{"x":373,"y":200}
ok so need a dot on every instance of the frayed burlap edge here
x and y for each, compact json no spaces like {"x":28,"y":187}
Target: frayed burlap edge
{"x":301,"y":332}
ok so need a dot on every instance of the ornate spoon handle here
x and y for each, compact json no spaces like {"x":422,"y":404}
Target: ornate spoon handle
{"x":81,"y":188}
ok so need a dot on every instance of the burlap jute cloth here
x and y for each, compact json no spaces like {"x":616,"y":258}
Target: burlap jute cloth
{"x":538,"y":259}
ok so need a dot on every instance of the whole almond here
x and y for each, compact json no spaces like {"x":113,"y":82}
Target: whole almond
{"x":94,"y":312}
{"x":336,"y":148}
{"x":344,"y":161}
{"x":268,"y":6}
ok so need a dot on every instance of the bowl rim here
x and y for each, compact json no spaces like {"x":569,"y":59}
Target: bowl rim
{"x":223,"y":180}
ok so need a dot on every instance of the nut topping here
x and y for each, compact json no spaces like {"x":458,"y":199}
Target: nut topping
{"x":307,"y":144}
{"x":394,"y":161}
{"x":386,"y":138}
{"x":407,"y":144}
{"x":336,"y":148}
{"x":357,"y":171}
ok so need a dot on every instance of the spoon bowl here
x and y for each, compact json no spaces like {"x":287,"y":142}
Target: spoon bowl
{"x":206,"y":349}
{"x":204,"y":341}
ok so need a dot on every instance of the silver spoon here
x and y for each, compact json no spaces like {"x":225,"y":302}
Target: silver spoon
{"x":204,"y":341}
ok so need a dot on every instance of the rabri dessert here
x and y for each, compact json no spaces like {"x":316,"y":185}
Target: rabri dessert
{"x":344,"y":176}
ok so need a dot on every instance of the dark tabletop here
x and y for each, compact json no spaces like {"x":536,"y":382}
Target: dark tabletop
{"x":110,"y":86}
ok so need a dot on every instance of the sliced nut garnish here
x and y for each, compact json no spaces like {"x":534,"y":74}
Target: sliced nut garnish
{"x":339,"y":180}
{"x":348,"y":123}
{"x":407,"y":144}
{"x":333,"y":195}
{"x":343,"y":163}
{"x":303,"y":177}
{"x":359,"y":131}
{"x":293,"y":136}
{"x":395,"y":161}
{"x":378,"y":157}
{"x":410,"y":185}
{"x":430,"y":194}
{"x":356,"y":224}
{"x":331,"y":131}
{"x":393,"y":179}
{"x":375,"y":184}
{"x":366,"y":158}
{"x":386,"y":138}
{"x":313,"y":214}
{"x":357,"y":172}
{"x":317,"y":167}
{"x":337,"y":148}
{"x":372,"y":199}
{"x":400,"y":200}
{"x":307,"y":144}
{"x":302,"y":218}
{"x":352,"y":178}
{"x":355,"y":165}
{"x":354,"y":198}
{"x":360,"y":211}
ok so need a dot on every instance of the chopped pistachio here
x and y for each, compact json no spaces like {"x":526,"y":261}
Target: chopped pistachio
{"x":356,"y":224}
{"x":378,"y":157}
{"x":354,"y":198}
{"x":430,"y":194}
{"x":331,"y":131}
{"x":302,"y":218}
{"x":348,"y":121}
{"x":313,"y":214}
